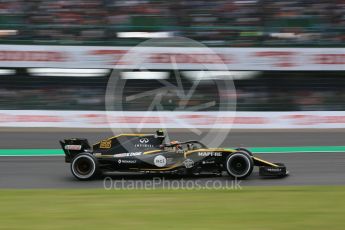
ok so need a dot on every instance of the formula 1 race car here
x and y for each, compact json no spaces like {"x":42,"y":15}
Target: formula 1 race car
{"x":147,"y":153}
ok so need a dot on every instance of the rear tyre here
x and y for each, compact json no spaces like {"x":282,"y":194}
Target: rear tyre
{"x":85,"y":166}
{"x":239,"y":165}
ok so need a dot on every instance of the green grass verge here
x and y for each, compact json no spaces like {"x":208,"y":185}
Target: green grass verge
{"x":258,"y":208}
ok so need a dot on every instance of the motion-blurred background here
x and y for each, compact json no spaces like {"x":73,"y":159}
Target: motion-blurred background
{"x":215,"y":23}
{"x":32,"y":31}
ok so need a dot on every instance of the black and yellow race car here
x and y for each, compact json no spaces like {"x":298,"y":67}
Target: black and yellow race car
{"x":147,"y":153}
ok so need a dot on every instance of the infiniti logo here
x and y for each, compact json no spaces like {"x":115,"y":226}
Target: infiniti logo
{"x":144,"y":140}
{"x":144,"y":143}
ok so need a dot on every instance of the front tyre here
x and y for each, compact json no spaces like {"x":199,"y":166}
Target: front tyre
{"x":84,"y":166}
{"x":239,"y":165}
{"x":245,"y":150}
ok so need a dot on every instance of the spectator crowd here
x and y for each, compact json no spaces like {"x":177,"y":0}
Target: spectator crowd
{"x":216,"y":23}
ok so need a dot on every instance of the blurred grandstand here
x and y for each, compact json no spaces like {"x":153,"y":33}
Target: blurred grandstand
{"x":218,"y":23}
{"x":268,"y":91}
{"x":215,"y":23}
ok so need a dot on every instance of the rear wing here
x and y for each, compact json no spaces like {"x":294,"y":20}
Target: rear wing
{"x":73,"y":147}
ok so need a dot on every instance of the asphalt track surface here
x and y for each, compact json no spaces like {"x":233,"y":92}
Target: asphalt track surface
{"x":52,"y":172}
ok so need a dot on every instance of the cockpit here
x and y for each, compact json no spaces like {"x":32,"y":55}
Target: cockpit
{"x":177,"y":146}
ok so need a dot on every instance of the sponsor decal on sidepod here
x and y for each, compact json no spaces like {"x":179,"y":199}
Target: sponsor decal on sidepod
{"x":126,"y":161}
{"x":160,"y":161}
{"x":209,"y":154}
{"x":128,"y":154}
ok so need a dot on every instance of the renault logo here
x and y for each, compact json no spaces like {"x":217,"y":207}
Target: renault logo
{"x":144,"y":140}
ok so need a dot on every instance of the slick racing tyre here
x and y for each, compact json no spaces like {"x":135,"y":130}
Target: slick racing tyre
{"x":245,"y":150}
{"x":239,"y":165}
{"x":84,"y":166}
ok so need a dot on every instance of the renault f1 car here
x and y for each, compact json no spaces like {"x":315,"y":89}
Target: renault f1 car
{"x":147,"y":153}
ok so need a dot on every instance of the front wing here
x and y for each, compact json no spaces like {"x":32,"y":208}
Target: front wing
{"x":268,"y":169}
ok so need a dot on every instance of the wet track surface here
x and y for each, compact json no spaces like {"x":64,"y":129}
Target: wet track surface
{"x":52,"y":172}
